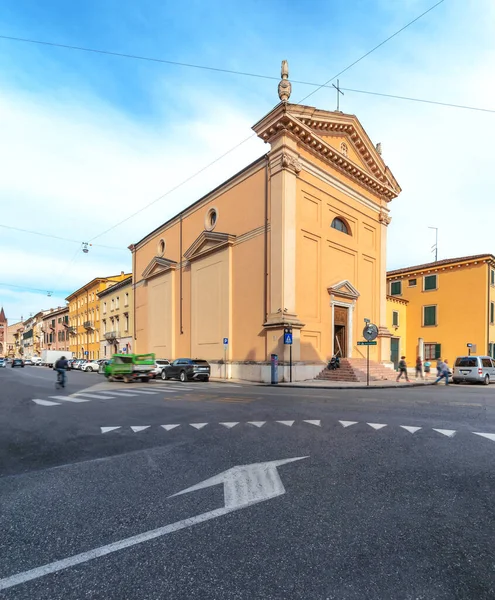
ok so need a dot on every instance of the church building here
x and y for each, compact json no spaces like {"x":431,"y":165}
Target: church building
{"x":296,"y":239}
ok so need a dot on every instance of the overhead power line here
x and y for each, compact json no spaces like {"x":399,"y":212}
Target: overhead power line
{"x":55,"y":237}
{"x":196,"y":173}
{"x":373,"y":49}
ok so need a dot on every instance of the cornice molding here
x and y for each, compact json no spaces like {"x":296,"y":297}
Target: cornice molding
{"x":207,"y":242}
{"x":157,"y":266}
{"x":379,"y":181}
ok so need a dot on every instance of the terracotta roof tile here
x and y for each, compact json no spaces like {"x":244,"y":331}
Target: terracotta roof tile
{"x":439,"y":263}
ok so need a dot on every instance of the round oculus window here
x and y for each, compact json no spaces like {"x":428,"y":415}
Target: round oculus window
{"x":161,"y":247}
{"x":211,"y":219}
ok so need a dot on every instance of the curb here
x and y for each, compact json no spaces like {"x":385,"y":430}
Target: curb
{"x":347,"y":387}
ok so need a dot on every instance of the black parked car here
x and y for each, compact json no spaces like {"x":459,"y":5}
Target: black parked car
{"x":187,"y":369}
{"x":17,"y":362}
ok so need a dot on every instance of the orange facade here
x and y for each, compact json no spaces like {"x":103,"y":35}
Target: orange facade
{"x":297,"y":239}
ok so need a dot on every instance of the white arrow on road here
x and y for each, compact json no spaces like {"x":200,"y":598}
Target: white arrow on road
{"x":243,"y":486}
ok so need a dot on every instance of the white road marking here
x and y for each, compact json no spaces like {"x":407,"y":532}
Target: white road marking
{"x":243,"y":486}
{"x":122,"y":393}
{"x":257,"y":423}
{"x":70,"y":399}
{"x":169,"y":427}
{"x":448,"y":432}
{"x":230,"y":425}
{"x":317,"y":423}
{"x":137,"y":428}
{"x":46,"y":402}
{"x":410,"y":429}
{"x":144,"y":391}
{"x":288,"y":423}
{"x":488,"y":436}
{"x":107,"y":429}
{"x":198,"y":425}
{"x":348,"y":423}
{"x":97,"y":396}
{"x":377,"y":425}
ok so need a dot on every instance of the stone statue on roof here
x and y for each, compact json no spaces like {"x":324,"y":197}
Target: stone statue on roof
{"x":284,"y":87}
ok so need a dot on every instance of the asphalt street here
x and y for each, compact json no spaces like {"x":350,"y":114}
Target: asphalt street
{"x":392,"y":494}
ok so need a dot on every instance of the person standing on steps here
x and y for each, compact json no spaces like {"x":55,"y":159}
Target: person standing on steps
{"x":444,"y":371}
{"x":402,"y":369}
{"x":419,"y":368}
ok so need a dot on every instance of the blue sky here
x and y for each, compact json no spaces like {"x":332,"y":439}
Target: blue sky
{"x":87,"y":138}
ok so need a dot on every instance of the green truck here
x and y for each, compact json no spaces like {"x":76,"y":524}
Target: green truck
{"x":130,"y":367}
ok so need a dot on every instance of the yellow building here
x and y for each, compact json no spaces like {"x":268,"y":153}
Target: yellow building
{"x":397,"y":325}
{"x":117,"y":318}
{"x":451,"y":303}
{"x":297,"y":238}
{"x":84,"y":316}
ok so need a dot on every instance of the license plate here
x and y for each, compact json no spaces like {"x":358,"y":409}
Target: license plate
{"x":465,"y":372}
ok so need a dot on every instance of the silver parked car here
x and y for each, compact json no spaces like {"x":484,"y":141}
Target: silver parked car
{"x":474,"y":369}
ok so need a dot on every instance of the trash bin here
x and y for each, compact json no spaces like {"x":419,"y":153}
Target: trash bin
{"x":274,"y":368}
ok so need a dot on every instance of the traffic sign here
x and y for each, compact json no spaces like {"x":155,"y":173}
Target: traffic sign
{"x":367,"y":343}
{"x":288,"y":339}
{"x":86,"y":353}
{"x":370,"y":332}
{"x":225,"y":341}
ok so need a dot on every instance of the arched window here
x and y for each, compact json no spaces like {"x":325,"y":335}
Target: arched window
{"x":340,"y":225}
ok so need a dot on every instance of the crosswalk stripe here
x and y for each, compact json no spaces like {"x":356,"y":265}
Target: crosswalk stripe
{"x":124,"y":394}
{"x":70,"y":399}
{"x":46,"y":402}
{"x":145,"y":391}
{"x":97,"y":396}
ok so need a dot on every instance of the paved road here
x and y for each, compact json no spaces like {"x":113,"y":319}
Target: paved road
{"x":392,"y":496}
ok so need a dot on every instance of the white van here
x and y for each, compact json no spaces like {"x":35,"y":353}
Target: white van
{"x":474,"y":369}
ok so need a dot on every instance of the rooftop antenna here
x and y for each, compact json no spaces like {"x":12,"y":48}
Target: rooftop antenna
{"x":434,"y":248}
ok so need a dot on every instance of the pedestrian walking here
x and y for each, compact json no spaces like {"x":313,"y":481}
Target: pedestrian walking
{"x":439,"y":367}
{"x":403,"y":369}
{"x":444,"y":371}
{"x":427,"y":365}
{"x":419,"y":368}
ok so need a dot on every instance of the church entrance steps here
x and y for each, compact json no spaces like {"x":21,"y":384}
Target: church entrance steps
{"x":354,"y":370}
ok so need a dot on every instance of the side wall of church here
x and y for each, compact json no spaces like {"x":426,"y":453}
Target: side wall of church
{"x":221,"y":293}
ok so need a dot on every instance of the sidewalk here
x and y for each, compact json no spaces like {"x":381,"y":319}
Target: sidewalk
{"x":332,"y":385}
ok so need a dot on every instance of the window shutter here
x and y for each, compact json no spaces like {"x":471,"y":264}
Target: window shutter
{"x":438,"y":350}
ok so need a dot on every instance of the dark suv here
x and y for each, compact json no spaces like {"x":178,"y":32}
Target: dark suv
{"x":17,"y":362}
{"x":187,"y":369}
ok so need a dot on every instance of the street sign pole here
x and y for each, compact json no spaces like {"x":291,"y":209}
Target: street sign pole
{"x":225,"y":348}
{"x":367,"y":366}
{"x":290,"y":363}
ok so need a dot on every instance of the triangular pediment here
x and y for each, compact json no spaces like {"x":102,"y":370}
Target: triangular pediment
{"x":323,"y":133}
{"x":157,"y":266}
{"x":345,"y":289}
{"x":207,"y":242}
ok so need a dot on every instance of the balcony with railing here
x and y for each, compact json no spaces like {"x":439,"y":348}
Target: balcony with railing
{"x":111,"y":335}
{"x":88,"y":325}
{"x":72,"y":330}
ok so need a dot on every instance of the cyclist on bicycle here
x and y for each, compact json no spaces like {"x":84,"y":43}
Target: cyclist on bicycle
{"x":61,"y":367}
